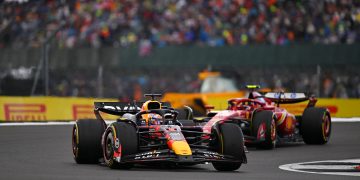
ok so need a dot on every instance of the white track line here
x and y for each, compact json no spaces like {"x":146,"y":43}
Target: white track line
{"x":299,"y":167}
{"x":50,"y":123}
{"x":41,"y":123}
{"x":353,"y":119}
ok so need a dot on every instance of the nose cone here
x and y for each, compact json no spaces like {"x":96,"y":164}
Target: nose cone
{"x":181,"y":148}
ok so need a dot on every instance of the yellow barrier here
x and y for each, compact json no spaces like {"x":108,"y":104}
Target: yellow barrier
{"x":48,"y":108}
{"x":337,"y":107}
{"x":61,"y":108}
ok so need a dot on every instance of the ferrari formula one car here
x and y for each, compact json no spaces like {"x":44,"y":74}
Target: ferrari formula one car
{"x":264,"y":122}
{"x":153,"y":134}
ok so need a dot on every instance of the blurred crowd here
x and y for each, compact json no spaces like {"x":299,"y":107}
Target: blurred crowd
{"x":326,"y":82}
{"x":331,"y":83}
{"x":158,"y":23}
{"x":129,"y":84}
{"x":124,"y":84}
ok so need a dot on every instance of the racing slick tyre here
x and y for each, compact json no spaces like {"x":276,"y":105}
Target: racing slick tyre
{"x":230,"y":142}
{"x":264,"y":129}
{"x":315,"y":125}
{"x":86,"y":141}
{"x":120,"y":140}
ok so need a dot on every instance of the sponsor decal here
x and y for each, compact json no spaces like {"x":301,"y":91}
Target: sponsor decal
{"x":25,"y":112}
{"x":277,"y":95}
{"x":293,"y":95}
{"x":147,"y":155}
{"x":215,"y":155}
{"x":332,"y":108}
{"x":82,"y":111}
{"x":125,"y":108}
{"x":176,"y":136}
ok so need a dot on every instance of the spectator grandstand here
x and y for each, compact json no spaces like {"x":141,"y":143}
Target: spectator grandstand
{"x":179,"y":22}
{"x":151,"y":24}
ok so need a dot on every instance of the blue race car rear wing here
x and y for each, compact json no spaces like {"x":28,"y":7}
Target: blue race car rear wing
{"x":120,"y":108}
{"x":117,"y":108}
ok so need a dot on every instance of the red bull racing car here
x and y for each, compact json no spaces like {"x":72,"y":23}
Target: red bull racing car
{"x":265,"y":123}
{"x":153,"y":134}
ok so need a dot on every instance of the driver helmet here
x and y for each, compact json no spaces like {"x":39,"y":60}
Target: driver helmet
{"x":149,"y":105}
{"x":155,"y":119}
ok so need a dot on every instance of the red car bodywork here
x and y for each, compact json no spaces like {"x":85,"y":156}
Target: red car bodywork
{"x":284,"y":127}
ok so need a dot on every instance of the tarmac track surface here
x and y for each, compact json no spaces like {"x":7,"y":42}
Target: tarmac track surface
{"x":44,"y":152}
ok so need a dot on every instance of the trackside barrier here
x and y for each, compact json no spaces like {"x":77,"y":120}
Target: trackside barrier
{"x":68,"y":108}
{"x":48,"y":108}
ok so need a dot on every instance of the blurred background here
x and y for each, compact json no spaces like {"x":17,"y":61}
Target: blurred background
{"x":123,"y":49}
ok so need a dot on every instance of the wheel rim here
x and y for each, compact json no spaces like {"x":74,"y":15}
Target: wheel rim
{"x":74,"y":141}
{"x":261,"y":131}
{"x":326,"y":127}
{"x":273,"y":131}
{"x":109,"y":146}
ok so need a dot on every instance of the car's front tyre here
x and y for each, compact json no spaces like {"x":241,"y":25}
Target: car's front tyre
{"x":230,"y":142}
{"x":120,"y":139}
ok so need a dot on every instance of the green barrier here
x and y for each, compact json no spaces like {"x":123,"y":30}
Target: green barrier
{"x":188,"y":56}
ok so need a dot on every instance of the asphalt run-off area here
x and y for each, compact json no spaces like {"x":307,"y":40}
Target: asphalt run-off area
{"x":36,"y":151}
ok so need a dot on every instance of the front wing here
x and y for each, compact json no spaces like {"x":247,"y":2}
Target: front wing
{"x":197,"y":157}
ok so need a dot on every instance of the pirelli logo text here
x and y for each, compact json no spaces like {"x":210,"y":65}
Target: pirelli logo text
{"x":25,"y":112}
{"x":81,"y":111}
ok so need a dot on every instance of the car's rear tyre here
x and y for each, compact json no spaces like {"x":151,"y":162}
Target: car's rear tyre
{"x":123,"y":136}
{"x":315,"y":125}
{"x":264,"y":129}
{"x":230,"y":142}
{"x":86,"y":141}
